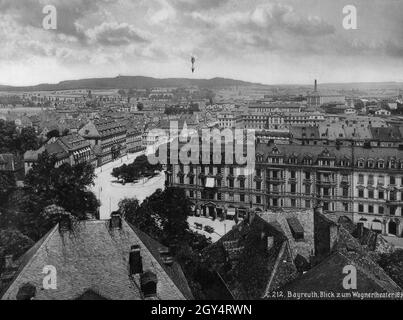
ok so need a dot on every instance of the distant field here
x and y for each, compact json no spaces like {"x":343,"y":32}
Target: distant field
{"x":20,"y":110}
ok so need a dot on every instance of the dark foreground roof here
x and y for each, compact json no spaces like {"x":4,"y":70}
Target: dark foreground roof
{"x":244,"y":261}
{"x":93,"y":260}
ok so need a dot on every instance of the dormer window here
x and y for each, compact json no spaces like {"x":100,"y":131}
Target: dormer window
{"x":381,"y":164}
{"x":370,"y":163}
{"x":361,"y":163}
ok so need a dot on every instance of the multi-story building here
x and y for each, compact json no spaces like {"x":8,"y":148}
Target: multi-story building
{"x":364,"y":184}
{"x":229,"y":120}
{"x":108,"y":136}
{"x":270,"y":107}
{"x":71,"y":149}
{"x":281,"y":120}
{"x":134,"y":140}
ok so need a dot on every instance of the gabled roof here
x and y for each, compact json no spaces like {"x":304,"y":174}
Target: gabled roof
{"x":174,"y":271}
{"x":73,"y":142}
{"x":328,"y":276}
{"x":247,"y":267}
{"x":91,"y":257}
{"x":90,"y":131}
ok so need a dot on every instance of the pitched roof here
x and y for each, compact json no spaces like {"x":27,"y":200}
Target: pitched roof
{"x":174,"y":271}
{"x":245,"y":264}
{"x":91,"y":257}
{"x":328,"y":274}
{"x":386,"y":134}
{"x":73,"y":142}
{"x":339,"y":152}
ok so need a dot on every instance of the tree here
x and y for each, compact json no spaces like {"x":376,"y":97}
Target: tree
{"x":163,"y":215}
{"x":7,"y":184}
{"x":8,"y":137}
{"x":393,"y":265}
{"x":28,"y":140}
{"x":65,"y":186}
{"x":140,"y":168}
{"x":17,"y":142}
{"x":53,"y":134}
{"x":14,"y":242}
{"x":139,"y":216}
{"x":140,"y":106}
{"x":24,"y":213}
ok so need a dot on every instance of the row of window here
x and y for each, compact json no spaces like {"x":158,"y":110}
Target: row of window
{"x":381,"y":179}
{"x":380,"y":164}
{"x":393,"y":195}
{"x":219,"y":196}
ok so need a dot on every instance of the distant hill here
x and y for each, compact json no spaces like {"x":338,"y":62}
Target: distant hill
{"x":129,"y":82}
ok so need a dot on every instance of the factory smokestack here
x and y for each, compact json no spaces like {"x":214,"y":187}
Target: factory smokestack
{"x":316,"y":85}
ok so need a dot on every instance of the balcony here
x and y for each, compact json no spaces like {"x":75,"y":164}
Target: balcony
{"x":325,"y":182}
{"x":275,"y":180}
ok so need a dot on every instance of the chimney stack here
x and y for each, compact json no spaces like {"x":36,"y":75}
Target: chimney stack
{"x":135,"y":260}
{"x":360,"y":229}
{"x":8,"y":261}
{"x":26,"y":292}
{"x":116,"y":221}
{"x":270,"y":243}
{"x":148,"y":283}
{"x":251,"y":216}
{"x":166,"y":256}
{"x":316,"y":86}
{"x":65,"y":223}
{"x":319,"y":208}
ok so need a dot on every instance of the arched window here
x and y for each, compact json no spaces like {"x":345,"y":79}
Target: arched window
{"x":392,"y":227}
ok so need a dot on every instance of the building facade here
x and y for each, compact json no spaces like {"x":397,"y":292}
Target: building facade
{"x":71,"y":149}
{"x":363,"y":184}
{"x":134,"y":140}
{"x":108,"y":136}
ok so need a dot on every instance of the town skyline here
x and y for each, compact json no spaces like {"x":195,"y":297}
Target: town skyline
{"x":173,"y":77}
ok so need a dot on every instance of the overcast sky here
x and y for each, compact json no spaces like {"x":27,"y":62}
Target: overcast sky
{"x":273,"y":42}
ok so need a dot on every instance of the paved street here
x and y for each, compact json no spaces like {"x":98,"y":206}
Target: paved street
{"x":220,"y":227}
{"x":110,"y":193}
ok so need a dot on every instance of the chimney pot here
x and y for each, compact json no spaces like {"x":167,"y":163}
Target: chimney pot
{"x":26,"y":292}
{"x":116,"y":221}
{"x":360,"y":229}
{"x":135,"y":260}
{"x":148,"y":282}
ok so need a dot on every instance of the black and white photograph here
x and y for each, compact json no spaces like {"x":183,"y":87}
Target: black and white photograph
{"x":213,"y":152}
